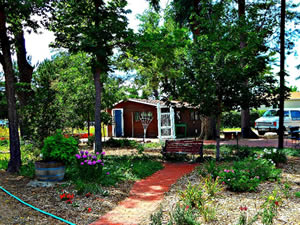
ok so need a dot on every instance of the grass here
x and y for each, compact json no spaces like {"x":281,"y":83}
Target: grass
{"x":152,"y":145}
{"x":128,"y":168}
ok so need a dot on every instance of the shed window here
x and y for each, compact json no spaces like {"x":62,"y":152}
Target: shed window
{"x":136,"y":116}
{"x":195,"y":115}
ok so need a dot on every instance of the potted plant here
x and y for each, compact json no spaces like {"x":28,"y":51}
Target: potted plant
{"x":57,"y":152}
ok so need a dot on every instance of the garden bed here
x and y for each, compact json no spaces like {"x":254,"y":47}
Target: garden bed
{"x":83,"y":210}
{"x":228,"y":203}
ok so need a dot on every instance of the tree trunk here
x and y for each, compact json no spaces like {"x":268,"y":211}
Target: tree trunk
{"x":24,"y":92}
{"x":88,"y":123}
{"x":218,"y":127}
{"x":245,"y":113}
{"x":14,"y":163}
{"x":209,"y":128}
{"x":282,"y":73}
{"x":98,"y":88}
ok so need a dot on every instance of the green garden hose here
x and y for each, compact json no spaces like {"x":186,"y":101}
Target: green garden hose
{"x":39,"y":210}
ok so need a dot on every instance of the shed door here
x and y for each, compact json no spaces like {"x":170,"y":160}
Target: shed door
{"x":118,"y":122}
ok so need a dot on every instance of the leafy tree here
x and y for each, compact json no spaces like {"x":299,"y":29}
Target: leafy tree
{"x":282,"y":73}
{"x":214,"y":77}
{"x":293,"y":88}
{"x":64,"y":95}
{"x":15,"y":16}
{"x":156,"y":53}
{"x":95,"y":27}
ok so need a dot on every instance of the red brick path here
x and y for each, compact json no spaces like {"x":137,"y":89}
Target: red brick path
{"x":145,"y":195}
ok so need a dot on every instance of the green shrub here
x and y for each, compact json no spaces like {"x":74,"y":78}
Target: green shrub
{"x":193,"y":196}
{"x":120,"y":143}
{"x":4,"y":142}
{"x":257,"y":167}
{"x":239,"y":180}
{"x":297,"y":194}
{"x":156,"y":217}
{"x":233,"y":118}
{"x":183,"y":215}
{"x":27,"y":170}
{"x":212,"y":168}
{"x":59,"y":148}
{"x":275,"y":155}
{"x":140,"y":148}
{"x":91,"y":140}
{"x":89,"y":187}
{"x":246,"y":175}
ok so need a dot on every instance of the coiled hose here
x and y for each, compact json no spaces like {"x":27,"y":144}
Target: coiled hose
{"x":37,"y":209}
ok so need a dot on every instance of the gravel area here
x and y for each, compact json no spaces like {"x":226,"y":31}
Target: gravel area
{"x":228,"y":203}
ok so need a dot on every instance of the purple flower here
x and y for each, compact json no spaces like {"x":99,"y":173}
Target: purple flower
{"x":89,"y":155}
{"x":94,"y":157}
{"x":102,"y":164}
{"x":94,"y":162}
{"x":99,"y":161}
{"x":86,"y":161}
{"x":84,"y":156}
{"x":107,"y":173}
{"x":86,"y":152}
{"x":97,"y":153}
{"x":81,"y":152}
{"x":90,"y":163}
{"x":78,"y":156}
{"x":82,"y":163}
{"x":102,"y":153}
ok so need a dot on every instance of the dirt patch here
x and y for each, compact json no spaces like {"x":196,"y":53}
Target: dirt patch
{"x":48,"y":199}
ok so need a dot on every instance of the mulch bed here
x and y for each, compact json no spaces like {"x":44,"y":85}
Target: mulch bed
{"x":228,"y":203}
{"x":48,"y":199}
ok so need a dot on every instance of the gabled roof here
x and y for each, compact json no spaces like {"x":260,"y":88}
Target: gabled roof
{"x":153,"y":102}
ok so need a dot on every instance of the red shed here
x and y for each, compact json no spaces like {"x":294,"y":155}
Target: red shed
{"x":166,"y":121}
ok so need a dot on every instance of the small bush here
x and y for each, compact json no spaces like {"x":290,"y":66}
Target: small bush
{"x":120,"y":143}
{"x":59,"y":148}
{"x":183,"y":215}
{"x":86,"y":187}
{"x":27,"y":170}
{"x":212,"y":187}
{"x":246,"y":175}
{"x":4,"y":142}
{"x":156,"y":217}
{"x":91,"y":140}
{"x":275,"y":155}
{"x":297,"y":194}
{"x":239,"y":180}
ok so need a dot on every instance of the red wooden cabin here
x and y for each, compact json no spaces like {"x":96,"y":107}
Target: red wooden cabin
{"x":168,"y":121}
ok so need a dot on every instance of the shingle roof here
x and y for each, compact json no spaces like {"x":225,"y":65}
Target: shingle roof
{"x":154,"y":102}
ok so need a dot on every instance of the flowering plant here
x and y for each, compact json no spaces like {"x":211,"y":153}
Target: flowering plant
{"x":66,"y":197}
{"x":274,"y":155}
{"x":90,"y":165}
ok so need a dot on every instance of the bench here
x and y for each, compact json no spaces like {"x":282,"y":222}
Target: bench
{"x":183,"y":147}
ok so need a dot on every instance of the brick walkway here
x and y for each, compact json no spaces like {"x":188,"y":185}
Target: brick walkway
{"x":145,"y":196}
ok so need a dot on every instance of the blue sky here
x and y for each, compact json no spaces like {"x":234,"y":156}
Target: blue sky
{"x":38,"y":44}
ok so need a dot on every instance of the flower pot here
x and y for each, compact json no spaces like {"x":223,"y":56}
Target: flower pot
{"x":49,"y":171}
